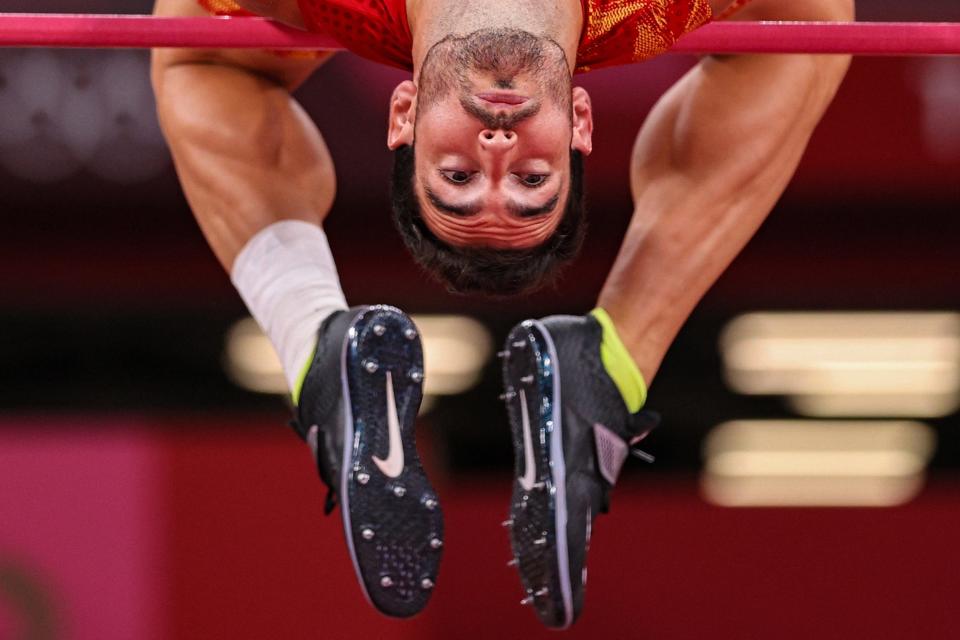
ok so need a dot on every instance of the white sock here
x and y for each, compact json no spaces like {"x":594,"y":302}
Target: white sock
{"x":287,"y":277}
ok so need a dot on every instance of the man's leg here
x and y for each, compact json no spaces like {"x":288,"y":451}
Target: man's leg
{"x":260,"y":181}
{"x":708,"y":166}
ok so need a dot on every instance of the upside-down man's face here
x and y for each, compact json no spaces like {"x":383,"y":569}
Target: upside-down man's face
{"x":495,"y":121}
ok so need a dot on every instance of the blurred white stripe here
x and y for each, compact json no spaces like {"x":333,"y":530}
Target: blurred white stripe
{"x":848,"y":364}
{"x":816,"y":463}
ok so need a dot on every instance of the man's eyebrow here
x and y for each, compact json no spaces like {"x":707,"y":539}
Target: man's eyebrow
{"x":446,"y":207}
{"x":529,"y":212}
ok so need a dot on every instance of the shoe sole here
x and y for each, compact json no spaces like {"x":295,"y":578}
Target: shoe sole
{"x":538,"y":516}
{"x":393,"y":532}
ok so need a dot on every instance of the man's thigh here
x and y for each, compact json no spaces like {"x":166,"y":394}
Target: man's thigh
{"x":289,"y":70}
{"x":802,"y":10}
{"x":283,"y":10}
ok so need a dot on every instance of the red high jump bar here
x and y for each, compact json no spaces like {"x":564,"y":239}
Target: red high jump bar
{"x":138,"y":31}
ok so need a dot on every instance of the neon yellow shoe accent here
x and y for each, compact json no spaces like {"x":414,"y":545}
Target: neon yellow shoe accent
{"x":619,"y":365}
{"x":298,"y":387}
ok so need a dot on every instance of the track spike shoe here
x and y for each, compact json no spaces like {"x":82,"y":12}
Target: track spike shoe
{"x":357,"y":410}
{"x":571,"y":433}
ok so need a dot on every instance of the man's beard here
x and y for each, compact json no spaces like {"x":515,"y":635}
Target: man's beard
{"x":503,"y":54}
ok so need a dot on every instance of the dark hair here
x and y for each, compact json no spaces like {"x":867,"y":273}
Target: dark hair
{"x":482,"y":269}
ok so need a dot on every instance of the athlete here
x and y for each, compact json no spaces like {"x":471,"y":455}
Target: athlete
{"x":491,"y":201}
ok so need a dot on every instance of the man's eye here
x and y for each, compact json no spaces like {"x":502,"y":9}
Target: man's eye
{"x":456,"y":177}
{"x":533,"y":179}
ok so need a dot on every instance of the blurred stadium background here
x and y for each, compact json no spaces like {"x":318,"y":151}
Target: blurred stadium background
{"x":806,"y":483}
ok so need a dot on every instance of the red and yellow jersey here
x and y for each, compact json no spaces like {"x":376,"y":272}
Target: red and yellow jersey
{"x":614,"y":31}
{"x":625,"y":31}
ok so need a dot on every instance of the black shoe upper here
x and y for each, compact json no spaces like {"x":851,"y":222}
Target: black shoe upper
{"x":321,"y":401}
{"x":358,"y":409}
{"x":588,"y":398}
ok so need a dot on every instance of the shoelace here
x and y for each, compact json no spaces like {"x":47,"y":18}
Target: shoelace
{"x":640,"y":453}
{"x":648,"y":421}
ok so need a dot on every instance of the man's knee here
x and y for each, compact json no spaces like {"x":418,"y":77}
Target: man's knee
{"x":285,"y":70}
{"x":800,"y":10}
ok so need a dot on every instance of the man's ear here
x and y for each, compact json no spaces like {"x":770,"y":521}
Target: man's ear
{"x":403,"y":110}
{"x":582,"y":121}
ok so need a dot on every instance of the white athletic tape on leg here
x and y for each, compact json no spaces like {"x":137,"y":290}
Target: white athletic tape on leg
{"x":286,"y":276}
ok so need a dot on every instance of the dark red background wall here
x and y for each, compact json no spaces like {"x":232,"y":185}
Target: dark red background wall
{"x":251,"y":556}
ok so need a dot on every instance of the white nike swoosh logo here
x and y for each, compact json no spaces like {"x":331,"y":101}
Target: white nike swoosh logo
{"x":392,"y":467}
{"x":529,"y":471}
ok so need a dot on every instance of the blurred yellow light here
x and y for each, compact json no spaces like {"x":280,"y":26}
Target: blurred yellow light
{"x":250,"y":360}
{"x":456,"y":349}
{"x":889,"y":405}
{"x":863,"y":491}
{"x":848,"y":364}
{"x":816,"y":463}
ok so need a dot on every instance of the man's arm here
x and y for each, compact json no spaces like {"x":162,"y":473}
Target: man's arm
{"x":709,"y":164}
{"x":246,"y":153}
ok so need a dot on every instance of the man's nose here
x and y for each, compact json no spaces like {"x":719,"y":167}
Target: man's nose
{"x":498,"y":140}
